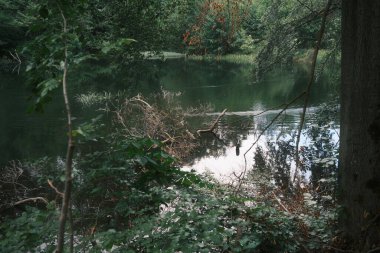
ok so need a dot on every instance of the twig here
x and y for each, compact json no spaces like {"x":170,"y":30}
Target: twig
{"x":15,"y":56}
{"x":14,"y":183}
{"x":311,"y":81}
{"x":169,"y":139}
{"x":211,"y":129}
{"x":138,"y":99}
{"x":31,"y":199}
{"x":190,"y":134}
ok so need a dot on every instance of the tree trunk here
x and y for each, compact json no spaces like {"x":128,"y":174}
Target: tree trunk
{"x":360,"y":122}
{"x":69,"y":153}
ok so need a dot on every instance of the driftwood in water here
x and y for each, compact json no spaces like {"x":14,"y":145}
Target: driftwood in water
{"x":211,"y":129}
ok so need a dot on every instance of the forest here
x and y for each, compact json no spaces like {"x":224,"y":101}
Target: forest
{"x":190,"y":126}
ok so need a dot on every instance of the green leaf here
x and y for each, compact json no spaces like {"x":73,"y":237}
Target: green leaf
{"x":79,"y":131}
{"x":151,"y":161}
{"x":84,"y":58}
{"x":252,"y":245}
{"x":47,"y":86}
{"x":118,"y":45}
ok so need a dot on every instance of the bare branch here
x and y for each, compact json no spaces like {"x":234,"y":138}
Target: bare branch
{"x":50,"y":183}
{"x":31,"y":199}
{"x":15,"y":56}
{"x":139,"y":99}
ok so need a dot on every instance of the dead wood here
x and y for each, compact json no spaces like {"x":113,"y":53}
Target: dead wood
{"x":212,"y":127}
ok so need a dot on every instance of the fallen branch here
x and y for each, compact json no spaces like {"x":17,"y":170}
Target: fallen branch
{"x":211,"y":129}
{"x":31,"y":199}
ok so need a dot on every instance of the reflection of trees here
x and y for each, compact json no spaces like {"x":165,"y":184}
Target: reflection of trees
{"x":318,"y":151}
{"x":233,"y":129}
{"x":230,"y":131}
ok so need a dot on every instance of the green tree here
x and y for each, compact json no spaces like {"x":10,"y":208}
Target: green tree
{"x":50,"y":67}
{"x":217,"y":27}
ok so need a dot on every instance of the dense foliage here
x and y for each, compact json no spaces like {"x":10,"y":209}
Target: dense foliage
{"x":129,"y":196}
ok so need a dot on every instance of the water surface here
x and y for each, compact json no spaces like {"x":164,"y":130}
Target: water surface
{"x":218,"y":84}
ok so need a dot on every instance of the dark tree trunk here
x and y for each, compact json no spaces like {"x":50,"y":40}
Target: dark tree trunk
{"x":360,"y":122}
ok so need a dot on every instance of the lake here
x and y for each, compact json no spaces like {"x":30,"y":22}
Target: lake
{"x":221,"y":85}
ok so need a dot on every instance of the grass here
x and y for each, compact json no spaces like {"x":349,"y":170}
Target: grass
{"x":302,"y":56}
{"x":232,"y":58}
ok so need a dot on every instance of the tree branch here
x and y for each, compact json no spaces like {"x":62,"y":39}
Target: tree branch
{"x":310,"y":83}
{"x":50,"y":183}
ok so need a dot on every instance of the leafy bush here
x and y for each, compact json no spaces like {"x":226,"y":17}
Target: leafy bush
{"x":203,"y":220}
{"x":120,"y":183}
{"x":34,"y":231}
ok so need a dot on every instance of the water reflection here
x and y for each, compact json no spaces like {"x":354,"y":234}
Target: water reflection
{"x":238,"y":131}
{"x":218,"y":153}
{"x":221,"y":84}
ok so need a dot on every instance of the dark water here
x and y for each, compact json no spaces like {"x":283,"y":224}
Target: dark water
{"x":219,"y":84}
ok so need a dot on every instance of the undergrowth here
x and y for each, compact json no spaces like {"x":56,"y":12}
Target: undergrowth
{"x":130,"y":196}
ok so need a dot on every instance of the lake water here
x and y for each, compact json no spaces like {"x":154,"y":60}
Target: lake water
{"x":218,"y":84}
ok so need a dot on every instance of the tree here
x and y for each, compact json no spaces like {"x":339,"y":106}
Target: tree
{"x":11,"y":29}
{"x":360,"y":122}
